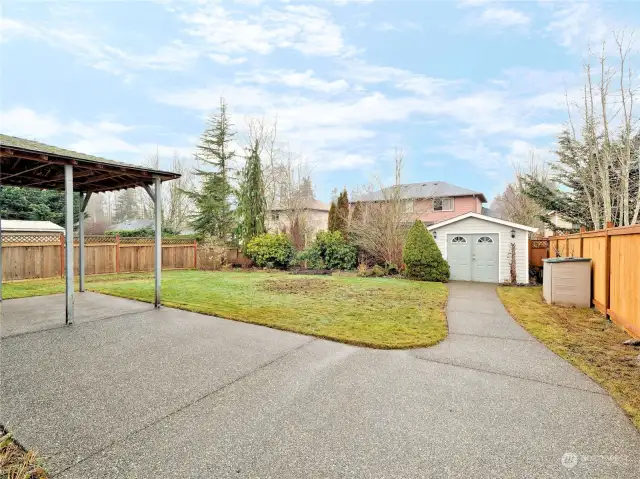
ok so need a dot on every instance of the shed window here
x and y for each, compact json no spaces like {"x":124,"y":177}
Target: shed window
{"x":443,"y":204}
{"x":459,"y":239}
{"x":485,"y":239}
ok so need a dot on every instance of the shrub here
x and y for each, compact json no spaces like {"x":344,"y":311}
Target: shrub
{"x":271,"y":250}
{"x":422,"y":257}
{"x":212,"y":253}
{"x":330,"y":250}
{"x":391,"y":268}
{"x":378,"y":271}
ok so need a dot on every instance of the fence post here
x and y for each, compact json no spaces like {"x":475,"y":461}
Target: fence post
{"x":61,"y":255}
{"x":195,"y":254}
{"x":607,"y":268}
{"x":583,"y":229}
{"x":117,"y":253}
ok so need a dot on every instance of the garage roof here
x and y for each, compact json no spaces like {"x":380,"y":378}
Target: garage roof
{"x":484,"y":218}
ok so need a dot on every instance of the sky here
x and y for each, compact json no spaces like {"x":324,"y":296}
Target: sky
{"x":466,"y":89}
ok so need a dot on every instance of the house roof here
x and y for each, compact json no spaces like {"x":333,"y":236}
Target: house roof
{"x":489,"y":219}
{"x":131,"y":225}
{"x":30,"y":226}
{"x":30,"y":163}
{"x":308,"y":205}
{"x":428,"y":189}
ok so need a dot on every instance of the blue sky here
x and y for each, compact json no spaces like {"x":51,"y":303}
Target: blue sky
{"x":465,"y":88}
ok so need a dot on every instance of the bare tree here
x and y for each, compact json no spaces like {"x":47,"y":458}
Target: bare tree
{"x":381,"y":228}
{"x":513,"y":204}
{"x":605,"y":154}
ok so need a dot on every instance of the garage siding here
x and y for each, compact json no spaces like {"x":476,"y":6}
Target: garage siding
{"x":478,"y":226}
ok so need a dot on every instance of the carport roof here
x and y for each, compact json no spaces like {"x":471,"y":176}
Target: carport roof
{"x":30,"y":163}
{"x":489,"y":219}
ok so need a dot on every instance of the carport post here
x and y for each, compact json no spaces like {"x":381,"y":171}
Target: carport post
{"x":84,"y":199}
{"x":68,"y":250}
{"x":158,"y":243}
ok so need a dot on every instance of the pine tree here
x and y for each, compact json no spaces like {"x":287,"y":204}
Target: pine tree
{"x":127,"y":207}
{"x":214,"y":215}
{"x":252,"y":205}
{"x":342,"y":214}
{"x":357,"y":212}
{"x":331,"y":224}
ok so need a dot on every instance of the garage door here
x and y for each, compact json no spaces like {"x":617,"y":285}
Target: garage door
{"x":473,"y":257}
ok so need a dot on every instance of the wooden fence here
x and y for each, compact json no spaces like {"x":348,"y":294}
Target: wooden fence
{"x":42,"y":255}
{"x":615,"y":255}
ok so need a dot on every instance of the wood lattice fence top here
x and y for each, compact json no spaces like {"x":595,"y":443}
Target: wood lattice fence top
{"x":88,"y":239}
{"x":53,"y":238}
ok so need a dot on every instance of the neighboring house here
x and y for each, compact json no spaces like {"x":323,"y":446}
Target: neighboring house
{"x":478,"y":247}
{"x":132,"y":225}
{"x":30,"y":227}
{"x":314,"y":215}
{"x":559,"y":223}
{"x":432,"y":201}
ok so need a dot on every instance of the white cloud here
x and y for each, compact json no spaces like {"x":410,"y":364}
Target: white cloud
{"x":506,"y":17}
{"x":308,"y":29}
{"x":290,"y":78}
{"x":100,"y":55}
{"x":97,"y":138}
{"x":223,"y":59}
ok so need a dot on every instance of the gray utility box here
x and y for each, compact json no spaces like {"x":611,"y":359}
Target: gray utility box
{"x":567,"y":281}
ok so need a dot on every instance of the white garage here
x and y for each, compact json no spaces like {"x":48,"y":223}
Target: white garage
{"x":478,"y":247}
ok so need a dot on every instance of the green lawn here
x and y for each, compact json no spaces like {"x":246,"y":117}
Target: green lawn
{"x":376,"y":312}
{"x":585,"y":338}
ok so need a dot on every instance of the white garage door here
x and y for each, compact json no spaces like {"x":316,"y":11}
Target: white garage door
{"x":473,"y":257}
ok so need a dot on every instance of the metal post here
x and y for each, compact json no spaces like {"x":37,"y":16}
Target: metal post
{"x":84,"y":200}
{"x":68,"y":256}
{"x":81,"y":244}
{"x":158,"y":242}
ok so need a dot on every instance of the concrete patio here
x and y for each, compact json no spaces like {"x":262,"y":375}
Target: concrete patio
{"x":129,"y":391}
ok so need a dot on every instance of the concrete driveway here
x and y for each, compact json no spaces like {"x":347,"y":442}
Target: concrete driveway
{"x":175,"y":394}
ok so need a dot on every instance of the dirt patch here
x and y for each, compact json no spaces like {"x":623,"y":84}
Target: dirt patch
{"x":298,"y":286}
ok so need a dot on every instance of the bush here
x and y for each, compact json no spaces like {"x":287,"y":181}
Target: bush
{"x":378,"y":271}
{"x":271,"y":250}
{"x":212,"y":253}
{"x":422,"y":257}
{"x":330,"y":250}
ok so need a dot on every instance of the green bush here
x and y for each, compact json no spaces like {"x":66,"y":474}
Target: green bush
{"x":422,"y":257}
{"x":271,"y":251}
{"x":330,"y":250}
{"x":378,"y":271}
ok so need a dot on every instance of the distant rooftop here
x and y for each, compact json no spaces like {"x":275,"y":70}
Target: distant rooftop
{"x":428,"y":189}
{"x":10,"y":226}
{"x":309,"y":205}
{"x":131,"y":225}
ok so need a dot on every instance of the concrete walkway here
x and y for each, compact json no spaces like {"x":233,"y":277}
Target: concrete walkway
{"x":174,"y":394}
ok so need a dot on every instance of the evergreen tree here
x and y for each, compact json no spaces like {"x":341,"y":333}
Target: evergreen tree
{"x":31,"y":204}
{"x":422,"y":257}
{"x":357,"y":212}
{"x":252,"y":205}
{"x":331,"y":224}
{"x":306,"y":188}
{"x":342,"y":214}
{"x":127,"y":207}
{"x":214,"y":215}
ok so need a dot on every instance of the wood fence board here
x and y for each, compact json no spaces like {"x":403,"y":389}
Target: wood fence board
{"x":624,"y":299}
{"x":595,"y":247}
{"x":573,"y":247}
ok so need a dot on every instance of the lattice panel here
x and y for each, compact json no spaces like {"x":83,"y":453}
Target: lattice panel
{"x":95,"y":239}
{"x":31,"y":238}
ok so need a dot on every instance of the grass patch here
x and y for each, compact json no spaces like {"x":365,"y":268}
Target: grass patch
{"x":16,"y":463}
{"x":586,"y":339}
{"x":376,"y":312}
